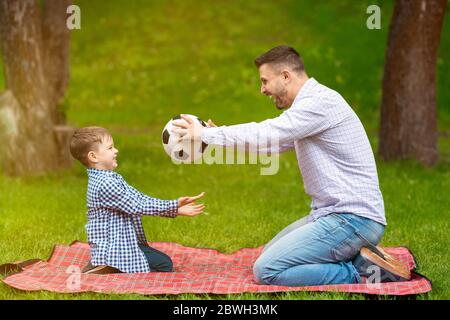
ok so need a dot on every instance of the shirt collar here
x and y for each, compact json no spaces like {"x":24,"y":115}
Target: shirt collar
{"x":94,"y":171}
{"x":305,"y":89}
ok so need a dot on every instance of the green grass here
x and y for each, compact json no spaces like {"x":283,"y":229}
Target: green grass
{"x":133,"y":67}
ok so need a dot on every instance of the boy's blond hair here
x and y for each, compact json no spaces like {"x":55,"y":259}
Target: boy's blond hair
{"x":85,"y":140}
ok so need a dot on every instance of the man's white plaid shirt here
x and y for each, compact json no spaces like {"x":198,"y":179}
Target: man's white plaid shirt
{"x":114,"y":226}
{"x":333,"y":151}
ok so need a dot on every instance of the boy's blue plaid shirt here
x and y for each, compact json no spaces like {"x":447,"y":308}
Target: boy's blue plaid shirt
{"x":114,"y":225}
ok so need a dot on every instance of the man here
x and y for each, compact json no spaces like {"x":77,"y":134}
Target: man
{"x":336,"y":242}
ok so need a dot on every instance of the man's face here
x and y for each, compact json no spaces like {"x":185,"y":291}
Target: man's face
{"x":273,"y":85}
{"x":106,"y":155}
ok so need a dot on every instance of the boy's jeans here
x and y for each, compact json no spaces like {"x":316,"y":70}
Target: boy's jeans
{"x":317,"y":253}
{"x":157,"y":260}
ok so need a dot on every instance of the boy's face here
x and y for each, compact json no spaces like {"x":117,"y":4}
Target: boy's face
{"x":105,"y":156}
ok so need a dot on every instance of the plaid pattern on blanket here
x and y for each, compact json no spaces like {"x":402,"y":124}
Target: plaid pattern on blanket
{"x":196,"y":270}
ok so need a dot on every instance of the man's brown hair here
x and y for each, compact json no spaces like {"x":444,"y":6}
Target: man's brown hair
{"x":85,"y":140}
{"x":282,"y":55}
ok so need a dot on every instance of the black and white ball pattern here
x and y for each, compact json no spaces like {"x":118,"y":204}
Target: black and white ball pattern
{"x":185,"y":151}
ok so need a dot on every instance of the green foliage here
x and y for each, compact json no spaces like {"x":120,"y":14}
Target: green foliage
{"x":133,"y":67}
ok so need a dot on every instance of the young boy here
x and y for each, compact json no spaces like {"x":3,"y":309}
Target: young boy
{"x":114,"y":227}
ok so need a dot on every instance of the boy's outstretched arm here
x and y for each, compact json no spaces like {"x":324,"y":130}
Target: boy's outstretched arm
{"x":116,"y":195}
{"x":119,"y":196}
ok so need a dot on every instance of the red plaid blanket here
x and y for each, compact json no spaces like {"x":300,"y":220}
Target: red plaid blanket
{"x":196,"y":270}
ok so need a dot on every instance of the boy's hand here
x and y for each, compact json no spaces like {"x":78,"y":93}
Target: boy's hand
{"x":191,"y":210}
{"x":187,"y":200}
{"x":187,"y":206}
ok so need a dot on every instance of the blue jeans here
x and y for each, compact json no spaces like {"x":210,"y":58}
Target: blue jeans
{"x":157,"y":260}
{"x":317,"y":253}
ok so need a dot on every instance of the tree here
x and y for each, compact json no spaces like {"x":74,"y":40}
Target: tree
{"x":408,"y":107}
{"x":35,"y":47}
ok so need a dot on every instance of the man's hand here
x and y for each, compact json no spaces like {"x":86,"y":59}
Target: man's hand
{"x":187,"y":206}
{"x":188,"y":129}
{"x":211,"y":124}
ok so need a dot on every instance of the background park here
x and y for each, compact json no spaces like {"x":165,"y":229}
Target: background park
{"x":135,"y":64}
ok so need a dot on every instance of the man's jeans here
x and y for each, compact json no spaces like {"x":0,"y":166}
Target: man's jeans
{"x":317,"y":253}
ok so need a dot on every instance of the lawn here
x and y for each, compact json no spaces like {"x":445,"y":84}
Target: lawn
{"x":135,"y":64}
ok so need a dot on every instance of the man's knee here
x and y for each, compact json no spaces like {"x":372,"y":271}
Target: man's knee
{"x":262,"y":274}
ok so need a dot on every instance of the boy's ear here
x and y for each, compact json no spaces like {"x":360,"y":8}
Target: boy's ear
{"x":91,"y":156}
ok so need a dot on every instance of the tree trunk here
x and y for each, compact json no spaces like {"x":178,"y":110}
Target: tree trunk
{"x":56,"y":39}
{"x":27,"y":108}
{"x":408,"y":107}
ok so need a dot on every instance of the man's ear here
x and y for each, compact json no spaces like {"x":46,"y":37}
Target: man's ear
{"x":92,"y":157}
{"x":286,"y":75}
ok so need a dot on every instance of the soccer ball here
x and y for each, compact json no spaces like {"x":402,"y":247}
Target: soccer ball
{"x":184,"y":151}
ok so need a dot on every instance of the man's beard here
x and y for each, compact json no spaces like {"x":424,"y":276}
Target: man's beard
{"x":279,"y":106}
{"x":281,"y":103}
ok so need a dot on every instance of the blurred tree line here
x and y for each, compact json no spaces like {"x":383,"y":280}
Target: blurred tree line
{"x":35,"y":44}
